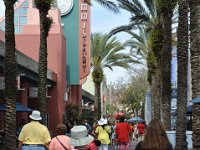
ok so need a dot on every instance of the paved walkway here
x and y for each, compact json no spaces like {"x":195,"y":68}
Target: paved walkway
{"x":132,"y":146}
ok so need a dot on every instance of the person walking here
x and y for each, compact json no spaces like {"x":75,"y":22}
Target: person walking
{"x":81,"y":140}
{"x":61,"y":141}
{"x":131,"y":133}
{"x":34,"y":136}
{"x":141,"y":130}
{"x":155,"y":137}
{"x":122,"y":131}
{"x":89,"y":128}
{"x":103,"y":132}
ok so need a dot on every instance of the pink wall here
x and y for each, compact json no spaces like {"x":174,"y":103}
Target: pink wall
{"x":29,"y":45}
{"x":75,"y":94}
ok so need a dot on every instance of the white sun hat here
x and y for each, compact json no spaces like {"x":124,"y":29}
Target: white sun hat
{"x":80,"y":136}
{"x":102,"y":121}
{"x":35,"y":115}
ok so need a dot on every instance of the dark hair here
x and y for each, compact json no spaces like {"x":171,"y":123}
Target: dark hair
{"x":155,"y":137}
{"x":104,"y":125}
{"x":61,"y":129}
{"x":121,"y":119}
{"x":97,"y":143}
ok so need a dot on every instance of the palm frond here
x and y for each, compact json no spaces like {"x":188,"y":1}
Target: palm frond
{"x":107,"y":52}
{"x":109,"y":5}
{"x":150,"y":4}
{"x":123,"y":28}
{"x":130,"y":7}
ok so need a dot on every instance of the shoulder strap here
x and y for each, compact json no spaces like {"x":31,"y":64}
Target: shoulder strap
{"x":61,"y":143}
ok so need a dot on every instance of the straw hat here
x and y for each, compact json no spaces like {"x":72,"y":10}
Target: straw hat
{"x":35,"y":115}
{"x":80,"y":136}
{"x":102,"y":121}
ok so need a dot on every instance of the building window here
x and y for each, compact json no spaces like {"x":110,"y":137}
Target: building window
{"x":20,"y":18}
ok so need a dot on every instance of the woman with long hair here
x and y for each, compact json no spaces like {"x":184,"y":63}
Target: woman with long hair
{"x":155,"y":137}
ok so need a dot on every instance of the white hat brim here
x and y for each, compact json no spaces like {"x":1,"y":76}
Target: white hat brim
{"x":39,"y":118}
{"x":82,"y":141}
{"x":102,"y":122}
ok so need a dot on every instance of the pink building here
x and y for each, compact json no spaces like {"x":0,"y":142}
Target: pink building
{"x":27,"y":42}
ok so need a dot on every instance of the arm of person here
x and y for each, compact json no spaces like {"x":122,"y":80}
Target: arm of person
{"x":108,"y":129}
{"x":97,"y":130}
{"x":21,"y":139}
{"x":51,"y":145}
{"x":47,"y":138}
{"x":47,"y":145}
{"x":20,"y":145}
{"x":129,"y":128}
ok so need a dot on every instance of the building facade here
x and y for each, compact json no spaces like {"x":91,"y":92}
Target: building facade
{"x":76,"y":23}
{"x":68,"y":55}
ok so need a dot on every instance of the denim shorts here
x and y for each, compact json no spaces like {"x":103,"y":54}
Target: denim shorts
{"x":32,"y":148}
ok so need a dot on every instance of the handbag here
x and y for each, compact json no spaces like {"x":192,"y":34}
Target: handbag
{"x":61,"y":143}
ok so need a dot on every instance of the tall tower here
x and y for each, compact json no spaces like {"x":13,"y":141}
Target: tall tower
{"x":76,"y":23}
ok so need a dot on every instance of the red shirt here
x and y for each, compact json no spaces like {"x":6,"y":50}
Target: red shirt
{"x":91,"y":146}
{"x":140,"y":128}
{"x":122,"y":130}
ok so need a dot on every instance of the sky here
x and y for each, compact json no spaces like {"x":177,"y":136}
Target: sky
{"x":103,"y":20}
{"x":2,"y":9}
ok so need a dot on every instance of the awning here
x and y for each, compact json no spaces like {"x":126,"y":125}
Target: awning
{"x":87,"y":97}
{"x":19,"y":107}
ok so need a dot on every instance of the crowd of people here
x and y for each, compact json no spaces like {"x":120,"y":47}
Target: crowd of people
{"x":35,"y":136}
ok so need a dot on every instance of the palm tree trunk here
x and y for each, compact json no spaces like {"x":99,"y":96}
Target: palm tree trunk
{"x":98,"y":98}
{"x":182,"y":75}
{"x":166,"y":69}
{"x":156,"y":95}
{"x":10,"y":76}
{"x":42,"y":66}
{"x":195,"y":67}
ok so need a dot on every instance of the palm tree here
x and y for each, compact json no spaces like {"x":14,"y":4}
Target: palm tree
{"x":146,"y":13}
{"x":152,"y":14}
{"x":106,"y":53}
{"x":45,"y":24}
{"x":166,"y":8}
{"x":182,"y":52}
{"x":195,"y":68}
{"x":141,"y":46}
{"x":142,"y":12}
{"x":10,"y":76}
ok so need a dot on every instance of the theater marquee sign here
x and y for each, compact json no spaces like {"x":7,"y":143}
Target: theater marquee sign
{"x":84,"y":51}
